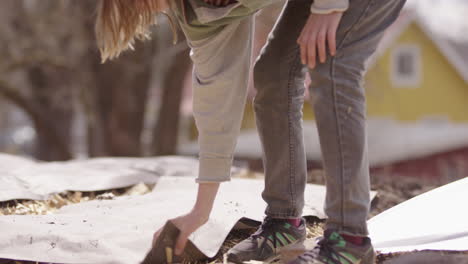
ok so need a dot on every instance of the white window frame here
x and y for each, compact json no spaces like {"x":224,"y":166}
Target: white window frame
{"x":400,"y":80}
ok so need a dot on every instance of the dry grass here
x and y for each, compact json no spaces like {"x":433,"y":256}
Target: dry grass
{"x":57,"y":201}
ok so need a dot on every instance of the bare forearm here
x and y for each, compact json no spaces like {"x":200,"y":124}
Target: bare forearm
{"x":205,"y":199}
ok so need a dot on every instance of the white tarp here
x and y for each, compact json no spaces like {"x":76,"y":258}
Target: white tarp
{"x":401,"y":141}
{"x":9,"y":163}
{"x":120,"y":231}
{"x":436,"y":220}
{"x":25,"y":179}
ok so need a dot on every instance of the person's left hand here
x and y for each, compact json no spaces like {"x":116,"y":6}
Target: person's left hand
{"x":187,"y":224}
{"x":319,"y":30}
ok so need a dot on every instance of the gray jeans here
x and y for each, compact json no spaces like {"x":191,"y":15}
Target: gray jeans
{"x":338,"y":100}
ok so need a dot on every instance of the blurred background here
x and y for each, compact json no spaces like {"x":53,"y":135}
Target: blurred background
{"x":57,"y":102}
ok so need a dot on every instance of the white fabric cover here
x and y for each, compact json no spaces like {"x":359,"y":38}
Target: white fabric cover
{"x":120,"y":231}
{"x":436,"y":220}
{"x":25,"y":179}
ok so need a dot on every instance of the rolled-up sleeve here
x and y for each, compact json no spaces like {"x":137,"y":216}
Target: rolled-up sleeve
{"x":220,"y":75}
{"x":329,"y":6}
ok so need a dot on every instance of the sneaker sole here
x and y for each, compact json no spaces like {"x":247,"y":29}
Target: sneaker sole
{"x":271,"y":259}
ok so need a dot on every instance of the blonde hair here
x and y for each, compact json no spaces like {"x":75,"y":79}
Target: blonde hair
{"x":120,"y":22}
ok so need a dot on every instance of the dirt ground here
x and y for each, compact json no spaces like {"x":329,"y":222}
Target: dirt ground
{"x":390,"y":192}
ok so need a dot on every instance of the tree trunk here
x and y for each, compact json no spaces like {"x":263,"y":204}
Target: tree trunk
{"x":120,"y":96}
{"x":52,"y":132}
{"x":166,"y":129}
{"x":53,"y":105}
{"x":52,"y":140}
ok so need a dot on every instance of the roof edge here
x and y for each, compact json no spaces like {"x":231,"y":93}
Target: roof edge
{"x":442,"y":45}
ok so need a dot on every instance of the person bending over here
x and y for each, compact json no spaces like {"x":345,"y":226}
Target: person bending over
{"x":332,"y":40}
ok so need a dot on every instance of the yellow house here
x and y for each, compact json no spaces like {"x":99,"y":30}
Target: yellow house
{"x":418,"y":75}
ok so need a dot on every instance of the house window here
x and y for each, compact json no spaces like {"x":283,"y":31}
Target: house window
{"x":406,"y":66}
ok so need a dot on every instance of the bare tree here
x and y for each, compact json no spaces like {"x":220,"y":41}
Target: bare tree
{"x":50,"y":63}
{"x":176,"y":66}
{"x":120,"y":95}
{"x":36,"y":73}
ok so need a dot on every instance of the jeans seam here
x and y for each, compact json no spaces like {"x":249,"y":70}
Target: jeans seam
{"x":337,"y":114}
{"x":340,"y":145}
{"x":292,"y":171}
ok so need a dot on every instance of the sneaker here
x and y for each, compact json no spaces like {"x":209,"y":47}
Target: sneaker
{"x":332,"y":248}
{"x":266,"y":244}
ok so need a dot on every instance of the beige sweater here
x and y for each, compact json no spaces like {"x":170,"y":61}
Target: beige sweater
{"x":221,"y":81}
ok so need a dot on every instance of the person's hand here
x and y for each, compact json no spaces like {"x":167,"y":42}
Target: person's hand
{"x":197,"y":217}
{"x":187,"y":224}
{"x":319,"y":30}
{"x":218,"y":2}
